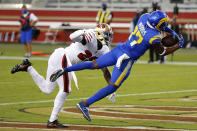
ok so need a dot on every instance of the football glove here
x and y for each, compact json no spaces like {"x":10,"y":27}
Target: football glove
{"x":181,"y":41}
{"x":120,"y":59}
{"x":56,"y":75}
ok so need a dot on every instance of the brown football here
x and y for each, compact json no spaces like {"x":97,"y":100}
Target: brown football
{"x":169,"y":41}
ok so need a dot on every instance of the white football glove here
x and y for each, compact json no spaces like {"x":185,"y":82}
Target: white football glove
{"x":120,"y":59}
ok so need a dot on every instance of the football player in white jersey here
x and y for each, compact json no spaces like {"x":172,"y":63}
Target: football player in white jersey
{"x":89,"y":44}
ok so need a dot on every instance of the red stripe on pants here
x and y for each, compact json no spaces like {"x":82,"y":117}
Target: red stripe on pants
{"x":65,"y":75}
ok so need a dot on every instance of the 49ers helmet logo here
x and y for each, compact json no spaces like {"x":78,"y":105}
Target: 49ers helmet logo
{"x":101,"y":26}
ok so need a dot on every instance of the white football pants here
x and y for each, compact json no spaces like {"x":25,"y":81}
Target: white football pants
{"x":56,"y":61}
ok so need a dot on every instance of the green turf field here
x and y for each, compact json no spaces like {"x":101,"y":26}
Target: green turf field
{"x":149,"y":85}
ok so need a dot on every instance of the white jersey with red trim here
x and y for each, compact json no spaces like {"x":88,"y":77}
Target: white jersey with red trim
{"x":77,"y":52}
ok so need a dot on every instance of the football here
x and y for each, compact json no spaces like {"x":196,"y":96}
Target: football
{"x":169,"y":41}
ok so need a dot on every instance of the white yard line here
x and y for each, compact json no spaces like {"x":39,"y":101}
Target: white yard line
{"x":123,"y":95}
{"x":171,"y":63}
{"x":123,"y":118}
{"x":131,"y":127}
{"x":139,"y":62}
{"x":22,"y":58}
{"x":31,"y":128}
{"x":152,"y":93}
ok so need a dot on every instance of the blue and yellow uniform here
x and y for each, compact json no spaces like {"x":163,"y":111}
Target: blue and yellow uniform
{"x":140,"y":39}
{"x":146,"y":33}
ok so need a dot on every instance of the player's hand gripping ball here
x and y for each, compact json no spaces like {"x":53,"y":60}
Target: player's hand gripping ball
{"x":169,"y":41}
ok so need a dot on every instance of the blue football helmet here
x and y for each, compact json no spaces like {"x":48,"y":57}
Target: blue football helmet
{"x":158,"y":20}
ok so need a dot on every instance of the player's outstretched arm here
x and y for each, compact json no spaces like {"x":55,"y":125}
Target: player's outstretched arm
{"x":172,"y":32}
{"x":160,"y":49}
{"x":77,"y":35}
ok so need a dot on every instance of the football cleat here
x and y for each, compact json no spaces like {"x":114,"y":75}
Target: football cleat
{"x":55,"y":124}
{"x":21,"y":67}
{"x":56,"y":75}
{"x":84,"y":110}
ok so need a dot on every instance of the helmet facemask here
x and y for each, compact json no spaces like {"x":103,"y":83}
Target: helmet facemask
{"x":162,"y":24}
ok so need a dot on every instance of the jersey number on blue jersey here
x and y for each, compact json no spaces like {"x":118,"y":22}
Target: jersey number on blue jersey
{"x":137,"y":37}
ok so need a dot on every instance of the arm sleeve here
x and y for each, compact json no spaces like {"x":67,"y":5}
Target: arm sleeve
{"x":77,"y":35}
{"x":172,"y":32}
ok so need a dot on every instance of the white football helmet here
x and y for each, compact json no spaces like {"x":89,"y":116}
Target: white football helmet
{"x":104,"y":34}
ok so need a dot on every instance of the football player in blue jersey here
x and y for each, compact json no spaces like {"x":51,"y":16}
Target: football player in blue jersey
{"x":146,"y":33}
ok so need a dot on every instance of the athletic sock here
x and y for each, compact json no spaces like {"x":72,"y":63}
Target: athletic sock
{"x":58,"y":104}
{"x":101,"y":94}
{"x":80,"y":66}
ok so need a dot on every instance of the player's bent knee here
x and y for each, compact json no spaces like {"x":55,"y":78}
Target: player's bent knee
{"x":95,"y":64}
{"x":47,"y":92}
{"x":112,"y":84}
{"x":67,"y":93}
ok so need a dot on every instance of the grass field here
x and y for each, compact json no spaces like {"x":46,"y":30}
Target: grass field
{"x":155,"y":96}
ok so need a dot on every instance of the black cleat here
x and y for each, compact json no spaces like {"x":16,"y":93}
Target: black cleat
{"x":56,"y":75}
{"x":21,"y":67}
{"x":55,"y":124}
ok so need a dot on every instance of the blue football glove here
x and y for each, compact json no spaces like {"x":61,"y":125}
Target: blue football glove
{"x":181,"y":41}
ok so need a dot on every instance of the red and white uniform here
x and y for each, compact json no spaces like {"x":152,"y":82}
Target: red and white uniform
{"x":78,"y":52}
{"x":63,"y":57}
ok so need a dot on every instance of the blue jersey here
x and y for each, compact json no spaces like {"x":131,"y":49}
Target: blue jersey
{"x":140,"y":39}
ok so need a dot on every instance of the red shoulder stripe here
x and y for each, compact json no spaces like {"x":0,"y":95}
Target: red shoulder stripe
{"x":90,"y":35}
{"x":87,"y":38}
